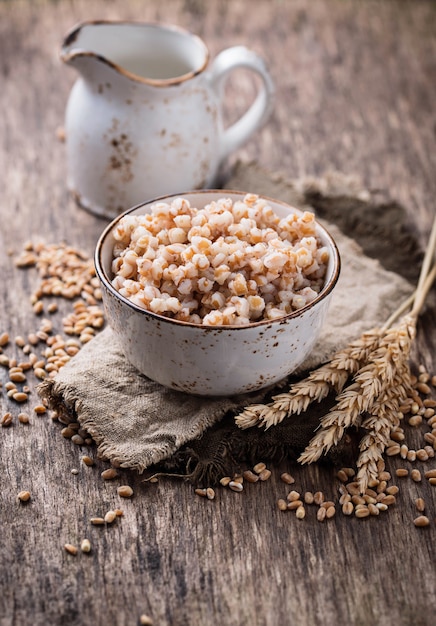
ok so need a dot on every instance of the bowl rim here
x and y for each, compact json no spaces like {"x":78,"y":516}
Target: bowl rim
{"x":104,"y":279}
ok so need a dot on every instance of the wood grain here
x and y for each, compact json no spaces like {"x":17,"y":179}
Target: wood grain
{"x":356,"y":92}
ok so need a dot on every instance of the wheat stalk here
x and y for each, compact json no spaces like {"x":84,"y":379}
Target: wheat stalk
{"x":371,"y":378}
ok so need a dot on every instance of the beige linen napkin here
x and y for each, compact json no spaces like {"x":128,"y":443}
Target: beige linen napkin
{"x":137,"y":423}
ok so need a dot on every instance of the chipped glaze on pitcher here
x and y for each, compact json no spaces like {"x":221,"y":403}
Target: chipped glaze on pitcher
{"x":144,"y":118}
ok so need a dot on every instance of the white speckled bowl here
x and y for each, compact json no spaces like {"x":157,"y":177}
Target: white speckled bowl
{"x":206,"y":360}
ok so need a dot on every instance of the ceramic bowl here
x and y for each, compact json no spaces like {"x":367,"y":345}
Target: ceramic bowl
{"x":207,"y":360}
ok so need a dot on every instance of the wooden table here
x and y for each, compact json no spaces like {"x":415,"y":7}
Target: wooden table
{"x":356,"y":92}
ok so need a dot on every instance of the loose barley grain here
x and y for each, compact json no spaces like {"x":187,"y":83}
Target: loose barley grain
{"x":85,"y":546}
{"x":235,"y":486}
{"x":381,"y":506}
{"x":347,"y":508}
{"x":71,"y":549}
{"x":342,"y":476}
{"x":109,"y":474}
{"x":330,"y":511}
{"x":23,"y":418}
{"x":321,"y":514}
{"x":287,"y":478}
{"x":300,"y":513}
{"x":422,"y":455}
{"x":6,"y":419}
{"x":264,"y":475}
{"x":293,"y":505}
{"x":293,"y":495}
{"x":259,"y":467}
{"x":24,"y":496}
{"x":20,"y":397}
{"x":318,"y":497}
{"x":420,"y":504}
{"x":373,"y":509}
{"x":389,"y":500}
{"x":250,"y":476}
{"x":308,"y":497}
{"x":393,"y":450}
{"x":109,"y":517}
{"x":17,"y":377}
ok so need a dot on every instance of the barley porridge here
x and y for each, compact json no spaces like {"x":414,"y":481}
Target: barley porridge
{"x":229,"y":263}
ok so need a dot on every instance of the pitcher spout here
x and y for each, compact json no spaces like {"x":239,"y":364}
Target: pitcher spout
{"x":130,"y":49}
{"x":82,"y":50}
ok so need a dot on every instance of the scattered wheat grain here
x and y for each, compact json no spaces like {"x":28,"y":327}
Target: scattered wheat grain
{"x":250,"y":476}
{"x":389,"y":500}
{"x":293,"y":495}
{"x":24,"y":496}
{"x":300,"y":513}
{"x":422,"y":455}
{"x":259,"y":467}
{"x":109,"y":474}
{"x":6,"y":419}
{"x":110,"y":517}
{"x":236,"y":486}
{"x":420,"y":504}
{"x":287,"y":478}
{"x":265,"y":475}
{"x":293,"y":505}
{"x":20,"y":397}
{"x":362,"y":512}
{"x":85,"y":546}
{"x":347,"y":508}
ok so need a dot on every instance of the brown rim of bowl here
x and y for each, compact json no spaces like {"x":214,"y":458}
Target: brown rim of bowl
{"x":326,"y":290}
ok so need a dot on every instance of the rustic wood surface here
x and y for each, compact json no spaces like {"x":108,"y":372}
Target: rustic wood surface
{"x":356,"y":92}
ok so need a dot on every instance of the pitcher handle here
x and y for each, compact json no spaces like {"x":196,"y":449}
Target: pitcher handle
{"x":228,"y":60}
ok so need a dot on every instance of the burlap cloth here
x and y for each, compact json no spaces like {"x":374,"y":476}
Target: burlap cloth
{"x":137,"y":423}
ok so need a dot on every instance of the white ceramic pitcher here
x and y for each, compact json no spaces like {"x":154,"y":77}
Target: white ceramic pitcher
{"x":145,"y":116}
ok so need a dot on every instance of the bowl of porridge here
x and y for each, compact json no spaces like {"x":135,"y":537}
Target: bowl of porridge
{"x":216,"y":292}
